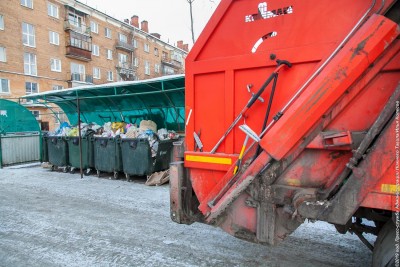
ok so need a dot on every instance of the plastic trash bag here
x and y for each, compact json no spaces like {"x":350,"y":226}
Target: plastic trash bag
{"x":148,"y":125}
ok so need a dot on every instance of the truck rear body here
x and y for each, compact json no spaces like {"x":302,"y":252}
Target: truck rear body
{"x":328,"y":148}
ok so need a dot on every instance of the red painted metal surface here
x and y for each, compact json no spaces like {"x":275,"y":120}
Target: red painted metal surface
{"x":243,"y":181}
{"x":313,"y":138}
{"x":326,"y":89}
{"x":382,"y":196}
{"x":318,"y":167}
{"x":221,"y":63}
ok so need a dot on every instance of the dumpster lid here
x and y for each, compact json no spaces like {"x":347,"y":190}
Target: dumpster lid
{"x":15,"y":118}
{"x":160,"y":99}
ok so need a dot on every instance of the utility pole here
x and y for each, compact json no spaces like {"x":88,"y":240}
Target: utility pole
{"x":191,"y":18}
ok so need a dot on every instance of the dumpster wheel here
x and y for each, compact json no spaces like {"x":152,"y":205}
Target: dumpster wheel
{"x":128,"y":177}
{"x":384,"y":249}
{"x":98,"y":173}
{"x":87,"y":172}
{"x":65,"y":169}
{"x":115,"y":175}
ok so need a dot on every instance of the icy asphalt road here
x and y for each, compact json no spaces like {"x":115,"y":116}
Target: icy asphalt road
{"x":56,"y":219}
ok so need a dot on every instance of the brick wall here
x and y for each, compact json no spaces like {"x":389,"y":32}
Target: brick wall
{"x":15,"y":15}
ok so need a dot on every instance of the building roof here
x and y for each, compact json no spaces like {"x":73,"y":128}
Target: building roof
{"x":127,"y":25}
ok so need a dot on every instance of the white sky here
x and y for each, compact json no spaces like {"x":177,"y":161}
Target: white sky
{"x":170,"y":18}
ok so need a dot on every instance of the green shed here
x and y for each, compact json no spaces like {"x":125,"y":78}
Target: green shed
{"x":19,"y":134}
{"x":161,"y":100}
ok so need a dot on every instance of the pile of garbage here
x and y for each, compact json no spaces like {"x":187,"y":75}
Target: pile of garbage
{"x":67,"y":130}
{"x":147,"y":129}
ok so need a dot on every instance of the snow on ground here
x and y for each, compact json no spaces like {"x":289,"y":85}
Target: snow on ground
{"x":57,"y":219}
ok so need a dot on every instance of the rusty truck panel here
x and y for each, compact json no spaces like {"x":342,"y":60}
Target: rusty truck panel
{"x":295,"y":106}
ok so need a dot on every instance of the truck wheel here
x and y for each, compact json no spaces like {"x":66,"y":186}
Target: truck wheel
{"x":384,"y":249}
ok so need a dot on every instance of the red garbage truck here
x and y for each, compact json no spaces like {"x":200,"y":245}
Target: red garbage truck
{"x":292,"y":113}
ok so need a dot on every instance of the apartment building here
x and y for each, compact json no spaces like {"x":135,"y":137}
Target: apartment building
{"x":56,"y":44}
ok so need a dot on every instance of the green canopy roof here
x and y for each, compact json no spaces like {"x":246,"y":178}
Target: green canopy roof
{"x":15,"y":118}
{"x":161,"y":100}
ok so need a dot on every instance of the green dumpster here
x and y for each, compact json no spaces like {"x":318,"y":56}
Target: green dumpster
{"x":58,"y":152}
{"x":161,"y":100}
{"x":107,"y":155}
{"x":87,"y":154}
{"x":137,"y":159}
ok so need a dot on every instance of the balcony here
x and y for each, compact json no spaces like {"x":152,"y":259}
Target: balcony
{"x":171,"y":63}
{"x":78,"y":53}
{"x":83,"y":78}
{"x":124,"y":46}
{"x":126,"y":71}
{"x":70,"y":25}
{"x":79,"y":46}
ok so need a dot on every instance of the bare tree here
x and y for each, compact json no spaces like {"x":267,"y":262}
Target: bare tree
{"x":191,"y":18}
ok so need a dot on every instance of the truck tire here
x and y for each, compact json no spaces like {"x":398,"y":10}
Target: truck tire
{"x":384,"y":249}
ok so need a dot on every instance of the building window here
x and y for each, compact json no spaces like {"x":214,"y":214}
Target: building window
{"x":134,"y":43}
{"x":109,"y":54}
{"x":55,"y":65}
{"x":164,"y":55}
{"x":122,"y":58}
{"x":146,"y":68}
{"x":95,"y":50}
{"x":52,"y":10}
{"x":57,"y":87}
{"x":157,"y":68}
{"x":80,"y":41}
{"x":156,"y":51}
{"x":107,"y":32}
{"x":36,"y":113}
{"x":77,"y":72}
{"x":27,"y":3}
{"x":4,"y":86}
{"x":28,"y":34}
{"x":168,"y":70}
{"x":146,"y":48}
{"x":96,"y":73}
{"x":30,"y":67}
{"x":57,"y":117}
{"x":136,"y":62}
{"x":75,"y":20}
{"x":54,"y":38}
{"x":31,"y":88}
{"x":3,"y":56}
{"x":1,"y":22}
{"x":110,"y":76}
{"x":94,"y":27}
{"x":177,"y":57}
{"x":122,"y":38}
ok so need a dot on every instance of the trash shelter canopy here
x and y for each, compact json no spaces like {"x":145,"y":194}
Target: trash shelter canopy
{"x":15,"y":118}
{"x":161,"y":100}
